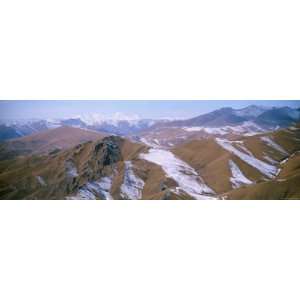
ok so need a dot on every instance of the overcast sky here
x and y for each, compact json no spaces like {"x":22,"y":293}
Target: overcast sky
{"x":144,"y":109}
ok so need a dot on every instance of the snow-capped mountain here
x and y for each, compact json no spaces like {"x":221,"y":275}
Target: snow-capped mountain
{"x":119,"y":124}
{"x":18,"y":128}
{"x":251,"y":111}
{"x":266,"y":118}
{"x":249,"y":120}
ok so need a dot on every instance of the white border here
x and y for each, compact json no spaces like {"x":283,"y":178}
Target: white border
{"x":149,"y":250}
{"x":225,"y":50}
{"x":162,"y":49}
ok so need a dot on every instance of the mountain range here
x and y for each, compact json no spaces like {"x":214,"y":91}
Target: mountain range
{"x":261,"y":118}
{"x":250,"y":153}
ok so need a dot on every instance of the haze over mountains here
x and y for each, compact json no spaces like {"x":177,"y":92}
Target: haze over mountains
{"x":249,"y":153}
{"x":259,"y":117}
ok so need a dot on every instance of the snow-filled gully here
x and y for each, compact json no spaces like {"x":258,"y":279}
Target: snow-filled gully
{"x":266,"y":169}
{"x":273,"y":145}
{"x":95,"y":189}
{"x":132,"y":185}
{"x":238,"y":178}
{"x":186,"y":177}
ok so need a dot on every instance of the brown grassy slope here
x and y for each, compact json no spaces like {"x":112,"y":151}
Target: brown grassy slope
{"x":93,"y":160}
{"x":152,"y":175}
{"x":131,"y":151}
{"x":291,"y":167}
{"x":211,"y":162}
{"x":288,"y":139}
{"x":18,"y":177}
{"x":285,"y":186}
{"x":172,"y":136}
{"x":43,"y":142}
{"x":154,"y":178}
{"x":260,"y":149}
{"x":155,"y":181}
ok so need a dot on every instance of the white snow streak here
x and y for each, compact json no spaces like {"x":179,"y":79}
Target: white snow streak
{"x":101,"y":187}
{"x":94,"y":189}
{"x":238,"y":178}
{"x":148,"y":143}
{"x":84,"y":194}
{"x":273,"y":145}
{"x":270,"y":160}
{"x":132,"y":185}
{"x":284,"y":160}
{"x":71,"y":169}
{"x":288,"y":158}
{"x":186,"y":177}
{"x":248,"y":128}
{"x":266,"y":169}
{"x":41,"y":180}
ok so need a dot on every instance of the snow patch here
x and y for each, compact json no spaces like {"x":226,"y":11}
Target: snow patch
{"x":101,"y":187}
{"x":41,"y":180}
{"x":284,"y":161}
{"x":273,"y":145}
{"x":266,"y":169}
{"x":85,"y":194}
{"x":247,"y":128}
{"x":94,"y":189}
{"x":71,"y":169}
{"x":150,"y":143}
{"x":238,"y":178}
{"x":242,"y":147}
{"x":186,"y":177}
{"x":132,"y":185}
{"x":210,"y":130}
{"x":251,"y":110}
{"x":270,"y":160}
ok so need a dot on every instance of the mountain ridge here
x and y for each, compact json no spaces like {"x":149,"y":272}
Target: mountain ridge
{"x":264,"y":117}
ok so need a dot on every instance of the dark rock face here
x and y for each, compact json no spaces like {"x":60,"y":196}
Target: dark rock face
{"x":108,"y":151}
{"x":64,"y":173}
{"x":100,"y":162}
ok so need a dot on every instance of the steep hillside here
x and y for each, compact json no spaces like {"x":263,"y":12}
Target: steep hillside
{"x":112,"y":168}
{"x":215,"y":165}
{"x":46,"y":141}
{"x":285,"y":186}
{"x":71,"y":163}
{"x":226,"y":165}
{"x":58,"y":175}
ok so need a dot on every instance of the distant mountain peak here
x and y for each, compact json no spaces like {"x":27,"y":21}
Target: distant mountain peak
{"x":251,"y":111}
